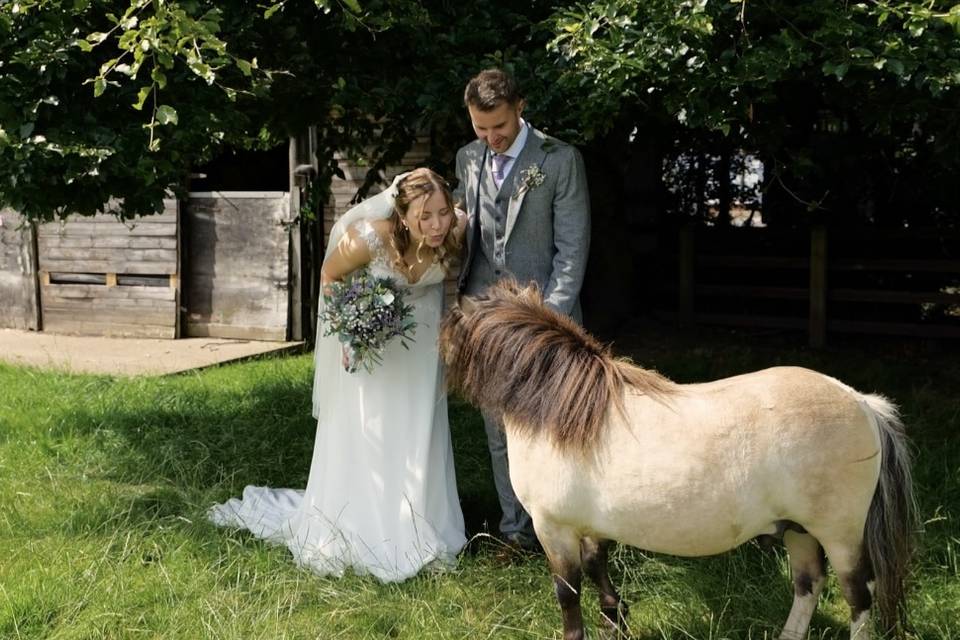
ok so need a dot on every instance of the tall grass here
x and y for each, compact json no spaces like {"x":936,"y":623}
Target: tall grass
{"x":104,"y":484}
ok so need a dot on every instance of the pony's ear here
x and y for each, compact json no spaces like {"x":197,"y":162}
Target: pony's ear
{"x":467,"y":305}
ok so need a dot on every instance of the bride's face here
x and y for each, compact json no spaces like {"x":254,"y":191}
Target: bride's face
{"x":428,"y":219}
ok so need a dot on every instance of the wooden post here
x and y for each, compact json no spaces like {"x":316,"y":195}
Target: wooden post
{"x":33,"y":316}
{"x":687,"y":264}
{"x":295,"y":326}
{"x":818,"y":286}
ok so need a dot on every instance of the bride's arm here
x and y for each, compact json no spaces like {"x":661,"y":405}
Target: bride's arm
{"x":350,"y":254}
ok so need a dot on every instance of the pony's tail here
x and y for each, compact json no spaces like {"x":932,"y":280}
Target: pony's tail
{"x":892,"y":517}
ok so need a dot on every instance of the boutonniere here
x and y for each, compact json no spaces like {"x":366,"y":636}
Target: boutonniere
{"x":530,"y":178}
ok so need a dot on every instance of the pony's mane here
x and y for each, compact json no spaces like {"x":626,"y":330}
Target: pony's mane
{"x":510,"y":354}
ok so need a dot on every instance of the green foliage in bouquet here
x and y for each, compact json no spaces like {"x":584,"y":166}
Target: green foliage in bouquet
{"x":366,"y":313}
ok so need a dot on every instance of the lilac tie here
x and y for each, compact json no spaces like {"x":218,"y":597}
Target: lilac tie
{"x":499,"y":163}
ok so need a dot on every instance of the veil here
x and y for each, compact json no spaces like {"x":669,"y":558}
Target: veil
{"x":326,"y":357}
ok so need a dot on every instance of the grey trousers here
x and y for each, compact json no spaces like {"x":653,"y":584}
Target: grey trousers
{"x":515,"y":524}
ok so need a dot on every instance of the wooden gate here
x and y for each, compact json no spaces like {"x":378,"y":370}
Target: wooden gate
{"x":236,"y":265}
{"x":100,"y":276}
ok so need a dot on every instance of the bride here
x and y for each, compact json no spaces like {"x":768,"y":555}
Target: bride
{"x":381,"y":497}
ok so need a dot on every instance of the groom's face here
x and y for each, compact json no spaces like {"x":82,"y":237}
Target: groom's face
{"x":499,"y":127}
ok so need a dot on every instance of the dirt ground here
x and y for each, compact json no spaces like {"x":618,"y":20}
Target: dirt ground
{"x":127,"y":356}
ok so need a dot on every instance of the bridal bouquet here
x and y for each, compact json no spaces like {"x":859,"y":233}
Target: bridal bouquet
{"x":365,"y":313}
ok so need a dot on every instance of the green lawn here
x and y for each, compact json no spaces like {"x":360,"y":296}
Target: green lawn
{"x":104,"y":483}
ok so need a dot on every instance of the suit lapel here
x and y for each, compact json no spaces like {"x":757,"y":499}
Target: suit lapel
{"x":531,"y":155}
{"x":472,"y":199}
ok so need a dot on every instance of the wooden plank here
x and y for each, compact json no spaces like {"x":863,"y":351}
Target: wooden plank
{"x":818,"y":287}
{"x":774,"y":322}
{"x":60,"y":254}
{"x":77,"y":278}
{"x":125,"y":280}
{"x":100,"y":291}
{"x":94,"y":229}
{"x":94,"y":304}
{"x":109,"y":266}
{"x":750,"y":291}
{"x":107,"y":242}
{"x":119,"y":316}
{"x":218,"y":330}
{"x":760,"y":262}
{"x":111,"y":280}
{"x":167,"y":216}
{"x":117,"y":329}
{"x":893,"y":297}
{"x":906,"y":266}
{"x":739,"y":320}
{"x":895,"y":328}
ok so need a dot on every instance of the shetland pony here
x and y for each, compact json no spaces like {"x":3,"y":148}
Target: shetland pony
{"x":602,"y":450}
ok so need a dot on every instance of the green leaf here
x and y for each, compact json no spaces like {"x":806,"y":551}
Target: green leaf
{"x":159,"y":77}
{"x":352,"y":5}
{"x":167,"y":114}
{"x":142,"y":96}
{"x":244,"y":66}
{"x":99,"y":86}
{"x":838,"y":70}
{"x":272,"y":10}
{"x":895,"y":66}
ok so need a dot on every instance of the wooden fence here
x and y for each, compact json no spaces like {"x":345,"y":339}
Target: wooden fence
{"x":855,"y":281}
{"x":104,"y":277}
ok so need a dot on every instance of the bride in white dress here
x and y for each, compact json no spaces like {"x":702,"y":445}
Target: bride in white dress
{"x":381,"y":497}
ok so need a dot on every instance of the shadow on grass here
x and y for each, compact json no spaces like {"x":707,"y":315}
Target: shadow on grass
{"x":204,"y":442}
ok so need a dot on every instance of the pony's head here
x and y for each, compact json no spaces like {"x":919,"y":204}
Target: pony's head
{"x":512,"y":355}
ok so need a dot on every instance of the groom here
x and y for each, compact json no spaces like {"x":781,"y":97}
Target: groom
{"x":528,"y":210}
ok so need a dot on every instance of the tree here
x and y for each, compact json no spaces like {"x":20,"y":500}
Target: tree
{"x":120,"y":99}
{"x":851,"y":106}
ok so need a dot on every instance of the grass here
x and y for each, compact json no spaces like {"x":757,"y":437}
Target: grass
{"x":104,"y":483}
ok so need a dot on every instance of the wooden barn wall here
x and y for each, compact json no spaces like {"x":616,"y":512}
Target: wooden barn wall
{"x":236,"y":265}
{"x":103,"y":277}
{"x":18,"y":274}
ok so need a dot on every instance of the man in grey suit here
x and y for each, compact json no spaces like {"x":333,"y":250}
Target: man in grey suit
{"x":528,"y":216}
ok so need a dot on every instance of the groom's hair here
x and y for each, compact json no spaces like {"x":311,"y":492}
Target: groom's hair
{"x":489,"y":88}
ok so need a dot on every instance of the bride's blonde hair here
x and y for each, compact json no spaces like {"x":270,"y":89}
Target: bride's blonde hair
{"x":421,"y":183}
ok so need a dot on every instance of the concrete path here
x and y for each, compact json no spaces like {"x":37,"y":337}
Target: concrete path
{"x":127,"y":356}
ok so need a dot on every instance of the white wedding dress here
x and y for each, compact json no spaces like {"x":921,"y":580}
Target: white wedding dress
{"x":381,"y":497}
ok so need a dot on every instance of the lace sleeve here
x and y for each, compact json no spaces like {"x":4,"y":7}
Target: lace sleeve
{"x":366,"y":232}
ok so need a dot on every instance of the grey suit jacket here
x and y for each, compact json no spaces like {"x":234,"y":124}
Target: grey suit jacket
{"x":547,"y":226}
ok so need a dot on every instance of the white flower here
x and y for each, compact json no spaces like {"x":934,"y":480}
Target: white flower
{"x":530,"y":178}
{"x":386,"y":299}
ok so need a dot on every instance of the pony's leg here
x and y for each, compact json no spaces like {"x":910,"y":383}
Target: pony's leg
{"x":562,"y":547}
{"x":594,"y":554}
{"x":855,"y":574}
{"x":808,"y":567}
